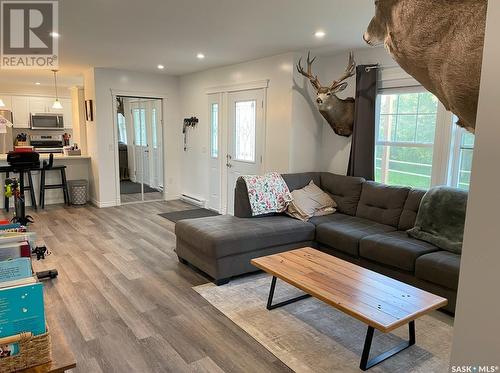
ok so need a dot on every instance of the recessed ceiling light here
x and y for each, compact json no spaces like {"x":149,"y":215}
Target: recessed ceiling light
{"x":200,"y":56}
{"x":320,"y":34}
{"x":37,"y":83}
{"x":55,"y":35}
{"x":161,"y":67}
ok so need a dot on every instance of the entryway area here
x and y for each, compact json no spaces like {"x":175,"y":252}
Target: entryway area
{"x":140,"y":148}
{"x":237,"y":138}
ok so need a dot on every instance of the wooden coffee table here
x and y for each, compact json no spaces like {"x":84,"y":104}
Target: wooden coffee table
{"x":377,"y":300}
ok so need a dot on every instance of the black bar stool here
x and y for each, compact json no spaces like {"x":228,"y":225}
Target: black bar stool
{"x":7,"y":170}
{"x":49,"y":166}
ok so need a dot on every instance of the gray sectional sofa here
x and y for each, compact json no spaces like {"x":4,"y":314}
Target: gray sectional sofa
{"x":368,"y":229}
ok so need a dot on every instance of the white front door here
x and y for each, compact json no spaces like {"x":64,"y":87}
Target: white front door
{"x":245,"y":138}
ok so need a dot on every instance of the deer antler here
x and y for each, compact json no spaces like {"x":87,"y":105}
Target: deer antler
{"x":349,"y":71}
{"x":309,"y":75}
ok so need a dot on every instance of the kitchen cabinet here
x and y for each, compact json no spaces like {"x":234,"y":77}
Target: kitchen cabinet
{"x":67,"y":112}
{"x":7,"y":100}
{"x":23,"y":106}
{"x":44,"y":105}
{"x":21,"y":111}
{"x":40,"y":105}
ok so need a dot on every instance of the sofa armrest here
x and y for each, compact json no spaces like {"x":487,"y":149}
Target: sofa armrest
{"x":242,"y":207}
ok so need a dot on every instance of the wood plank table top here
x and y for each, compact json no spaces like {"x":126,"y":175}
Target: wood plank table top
{"x":377,"y":300}
{"x":62,"y":356}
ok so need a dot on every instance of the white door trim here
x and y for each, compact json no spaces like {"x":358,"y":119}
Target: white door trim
{"x":257,"y":84}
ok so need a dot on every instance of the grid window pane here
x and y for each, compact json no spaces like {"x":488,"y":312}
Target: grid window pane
{"x":426,"y":128}
{"x":245,"y":130}
{"x":405,"y":138}
{"x":407,"y":125}
{"x":465,"y":168}
{"x":214,"y":128}
{"x":404,"y":165}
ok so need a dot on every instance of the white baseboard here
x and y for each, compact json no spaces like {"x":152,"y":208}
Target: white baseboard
{"x":103,"y":204}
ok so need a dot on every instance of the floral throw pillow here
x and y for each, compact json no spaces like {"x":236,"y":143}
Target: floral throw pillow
{"x":267,"y":194}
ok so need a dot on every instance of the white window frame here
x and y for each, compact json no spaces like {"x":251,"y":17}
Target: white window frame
{"x":446,"y":145}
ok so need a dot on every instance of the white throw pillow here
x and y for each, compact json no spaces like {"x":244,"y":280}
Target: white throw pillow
{"x":310,"y":201}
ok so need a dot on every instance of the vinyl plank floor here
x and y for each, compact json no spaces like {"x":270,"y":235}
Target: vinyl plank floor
{"x":125,"y":303}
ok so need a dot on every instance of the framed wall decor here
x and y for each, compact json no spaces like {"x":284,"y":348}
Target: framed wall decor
{"x":89,"y":110}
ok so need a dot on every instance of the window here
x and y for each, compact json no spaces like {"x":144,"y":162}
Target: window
{"x":122,"y":129}
{"x":214,"y":131}
{"x":245,"y":126}
{"x":140,"y":127}
{"x":462,"y":162}
{"x":154,"y":128}
{"x":415,"y":145}
{"x":405,"y":138}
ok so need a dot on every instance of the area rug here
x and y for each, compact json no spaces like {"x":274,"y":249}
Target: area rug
{"x":129,"y":187}
{"x":188,"y":214}
{"x":310,"y":336}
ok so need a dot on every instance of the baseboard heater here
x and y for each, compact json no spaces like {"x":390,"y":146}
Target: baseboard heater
{"x":193,"y":200}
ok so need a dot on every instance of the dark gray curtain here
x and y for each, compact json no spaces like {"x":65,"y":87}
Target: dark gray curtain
{"x":362,"y":159}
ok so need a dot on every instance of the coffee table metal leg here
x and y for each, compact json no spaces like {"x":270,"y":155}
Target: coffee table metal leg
{"x":367,"y":364}
{"x":271,"y":306}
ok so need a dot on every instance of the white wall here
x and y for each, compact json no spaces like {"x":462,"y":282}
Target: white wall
{"x":476,"y":339}
{"x":194,"y":102}
{"x":335,"y":149}
{"x":102,"y":138}
{"x":307,"y":125}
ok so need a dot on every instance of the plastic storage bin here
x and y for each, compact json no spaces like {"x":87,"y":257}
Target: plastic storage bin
{"x":78,"y":191}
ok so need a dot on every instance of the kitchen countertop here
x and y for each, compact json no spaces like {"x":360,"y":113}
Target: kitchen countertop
{"x":3,"y":157}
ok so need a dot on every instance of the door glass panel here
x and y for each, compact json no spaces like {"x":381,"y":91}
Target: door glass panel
{"x":214,"y":128}
{"x":154,"y":129}
{"x":245,"y":123}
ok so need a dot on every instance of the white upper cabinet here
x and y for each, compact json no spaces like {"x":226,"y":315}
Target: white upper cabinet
{"x":40,"y":105}
{"x":67,"y":112}
{"x":23,"y":106}
{"x":21,"y":111}
{"x":7,"y":100}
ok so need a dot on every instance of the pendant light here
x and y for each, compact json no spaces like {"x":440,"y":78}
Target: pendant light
{"x":2,"y":104}
{"x":57,"y":104}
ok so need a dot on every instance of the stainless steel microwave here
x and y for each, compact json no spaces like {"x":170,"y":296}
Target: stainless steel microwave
{"x":47,"y":121}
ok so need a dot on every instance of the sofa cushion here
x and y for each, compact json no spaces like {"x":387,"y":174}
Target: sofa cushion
{"x":332,"y":218}
{"x":441,"y":268}
{"x":394,"y":249}
{"x":300,"y":180}
{"x":410,"y":209}
{"x":345,"y":191}
{"x":345,"y":234}
{"x":382,"y":203}
{"x":220,"y":236}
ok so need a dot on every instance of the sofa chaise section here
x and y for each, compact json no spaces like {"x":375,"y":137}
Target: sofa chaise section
{"x":222,"y":246}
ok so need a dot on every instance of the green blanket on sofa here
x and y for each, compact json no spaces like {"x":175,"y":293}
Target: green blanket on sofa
{"x":441,"y":218}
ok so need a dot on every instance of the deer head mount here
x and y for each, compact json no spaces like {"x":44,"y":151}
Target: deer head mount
{"x":338,"y":113}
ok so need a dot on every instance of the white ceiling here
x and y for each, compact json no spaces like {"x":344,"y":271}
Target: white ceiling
{"x":139,"y":35}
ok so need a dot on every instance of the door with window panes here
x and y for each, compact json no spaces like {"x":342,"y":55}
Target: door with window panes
{"x":416,"y":143}
{"x":245,"y":138}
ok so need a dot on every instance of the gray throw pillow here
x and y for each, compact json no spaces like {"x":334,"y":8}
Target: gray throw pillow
{"x":441,"y":218}
{"x":310,"y":201}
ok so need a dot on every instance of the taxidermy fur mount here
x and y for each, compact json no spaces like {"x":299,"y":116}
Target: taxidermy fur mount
{"x":439,"y":43}
{"x":338,"y":113}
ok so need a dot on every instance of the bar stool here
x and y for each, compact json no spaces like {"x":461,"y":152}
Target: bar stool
{"x":49,"y":166}
{"x":7,"y":170}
